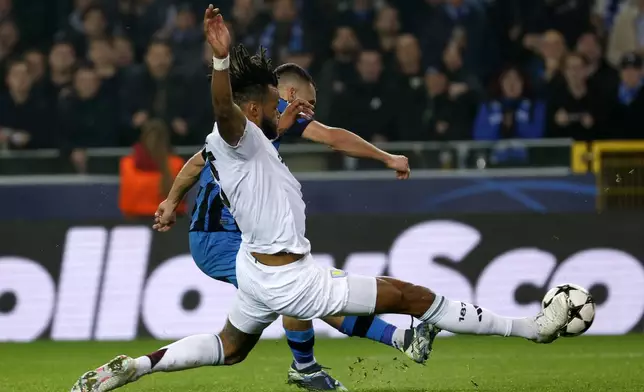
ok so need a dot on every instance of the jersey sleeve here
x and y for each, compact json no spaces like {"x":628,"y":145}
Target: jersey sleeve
{"x":245,"y":148}
{"x":297,"y":129}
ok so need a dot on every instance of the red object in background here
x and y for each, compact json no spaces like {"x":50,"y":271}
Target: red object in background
{"x":140,"y":190}
{"x":143,"y":160}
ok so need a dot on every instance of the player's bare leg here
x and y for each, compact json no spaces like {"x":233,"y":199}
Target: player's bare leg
{"x":395,"y":296}
{"x":305,"y":372}
{"x":229,"y":347}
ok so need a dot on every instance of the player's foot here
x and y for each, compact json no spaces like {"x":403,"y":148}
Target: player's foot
{"x":314,"y":378}
{"x":419,"y":342}
{"x":552,"y":319}
{"x":114,"y":374}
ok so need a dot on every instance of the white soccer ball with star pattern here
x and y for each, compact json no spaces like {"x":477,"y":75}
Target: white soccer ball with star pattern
{"x":582,"y":308}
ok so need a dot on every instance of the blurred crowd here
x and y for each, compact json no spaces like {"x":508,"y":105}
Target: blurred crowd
{"x":92,"y":73}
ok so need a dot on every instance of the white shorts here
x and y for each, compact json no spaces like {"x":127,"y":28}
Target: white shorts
{"x":303,"y":290}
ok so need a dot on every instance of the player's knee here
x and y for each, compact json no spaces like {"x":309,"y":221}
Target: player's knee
{"x":236,"y":344}
{"x":235,"y":358}
{"x":292,"y":324}
{"x":389,"y":298}
{"x":403,"y":297}
{"x":233,"y":353}
{"x":417,"y":299}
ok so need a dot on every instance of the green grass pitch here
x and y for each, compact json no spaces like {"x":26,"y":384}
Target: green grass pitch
{"x":491,"y":364}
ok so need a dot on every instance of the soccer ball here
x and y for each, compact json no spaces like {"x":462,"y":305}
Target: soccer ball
{"x":582,"y":308}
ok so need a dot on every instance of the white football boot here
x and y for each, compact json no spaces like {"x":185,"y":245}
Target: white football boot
{"x":114,"y":374}
{"x":419,"y":341}
{"x":552,"y":319}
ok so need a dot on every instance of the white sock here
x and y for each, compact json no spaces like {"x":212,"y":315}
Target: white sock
{"x":143,"y":367}
{"x":187,"y":353}
{"x":398,"y":339}
{"x":464,"y":318}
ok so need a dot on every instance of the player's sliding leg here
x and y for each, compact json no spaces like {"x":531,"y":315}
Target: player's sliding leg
{"x":305,"y":372}
{"x":378,"y":330}
{"x":395,"y":296}
{"x":215,"y":254}
{"x":229,"y":347}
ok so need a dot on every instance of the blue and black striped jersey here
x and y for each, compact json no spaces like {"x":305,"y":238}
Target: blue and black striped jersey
{"x":209,"y":213}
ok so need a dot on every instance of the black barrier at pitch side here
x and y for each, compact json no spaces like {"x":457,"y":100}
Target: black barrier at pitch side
{"x":110,"y":280}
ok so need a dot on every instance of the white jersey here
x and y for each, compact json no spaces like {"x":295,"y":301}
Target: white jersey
{"x":265,"y":198}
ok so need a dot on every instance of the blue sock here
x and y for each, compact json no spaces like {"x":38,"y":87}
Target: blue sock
{"x":301,"y":344}
{"x":369,"y":327}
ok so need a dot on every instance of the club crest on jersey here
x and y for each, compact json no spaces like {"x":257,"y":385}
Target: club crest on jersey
{"x":336,"y":273}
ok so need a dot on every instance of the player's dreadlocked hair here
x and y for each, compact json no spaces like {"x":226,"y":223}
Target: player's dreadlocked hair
{"x":250,"y":75}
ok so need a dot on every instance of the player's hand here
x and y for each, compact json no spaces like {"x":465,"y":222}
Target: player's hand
{"x":400,"y":164}
{"x":216,"y":32}
{"x":294,"y":110}
{"x":165,"y":217}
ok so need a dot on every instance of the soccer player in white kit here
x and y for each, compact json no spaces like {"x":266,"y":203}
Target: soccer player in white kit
{"x":275,"y":270}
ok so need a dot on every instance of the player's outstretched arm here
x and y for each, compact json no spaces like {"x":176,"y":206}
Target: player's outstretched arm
{"x":353,"y":145}
{"x":165,"y":216}
{"x":230,"y":119}
{"x":187,"y":178}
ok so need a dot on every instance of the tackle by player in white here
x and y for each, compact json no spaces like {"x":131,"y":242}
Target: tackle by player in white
{"x":275,"y":270}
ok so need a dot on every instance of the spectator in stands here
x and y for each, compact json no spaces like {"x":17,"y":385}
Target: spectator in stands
{"x":145,"y":18}
{"x":411,"y":93}
{"x":511,"y":113}
{"x":574,"y":112}
{"x":602,"y":78}
{"x":286,"y":35}
{"x":186,"y":40}
{"x":604,"y":13}
{"x":24,"y":119}
{"x":245,"y":22}
{"x":75,"y":18}
{"x":37,"y":64}
{"x":627,"y":35}
{"x":460,"y":22}
{"x":124,"y":52}
{"x":435,"y":117}
{"x":512,"y":21}
{"x":415,"y":14}
{"x":628,"y":115}
{"x":147,"y":174}
{"x":6,"y":6}
{"x":545,"y":69}
{"x":337,"y":72}
{"x":87,"y":118}
{"x":451,"y":107}
{"x":387,"y":28}
{"x":62,"y":59}
{"x":368,"y":107}
{"x":570,"y":17}
{"x":156,"y":92}
{"x":94,"y":26}
{"x":439,"y":120}
{"x":9,"y":39}
{"x":360,"y":17}
{"x":462,"y":81}
{"x":101,"y":53}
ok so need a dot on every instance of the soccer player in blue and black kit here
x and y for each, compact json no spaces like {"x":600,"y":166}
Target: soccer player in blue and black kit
{"x":215,"y":238}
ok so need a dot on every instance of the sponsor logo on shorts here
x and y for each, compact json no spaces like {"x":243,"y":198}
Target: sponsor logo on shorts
{"x":336,"y":273}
